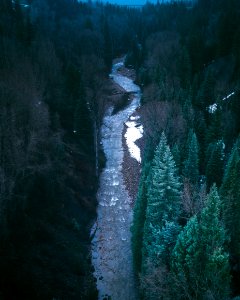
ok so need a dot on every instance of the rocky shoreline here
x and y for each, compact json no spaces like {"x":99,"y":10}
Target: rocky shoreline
{"x":131,"y":169}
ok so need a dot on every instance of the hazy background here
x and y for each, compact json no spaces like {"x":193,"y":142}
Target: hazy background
{"x":128,"y":2}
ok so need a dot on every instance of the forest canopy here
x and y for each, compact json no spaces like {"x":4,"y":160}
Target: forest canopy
{"x":55,"y":56}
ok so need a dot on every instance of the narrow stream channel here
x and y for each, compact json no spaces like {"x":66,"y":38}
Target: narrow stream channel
{"x":111,"y":245}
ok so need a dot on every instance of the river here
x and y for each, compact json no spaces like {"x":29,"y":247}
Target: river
{"x":111,"y":244}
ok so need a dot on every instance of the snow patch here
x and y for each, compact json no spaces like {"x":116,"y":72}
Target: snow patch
{"x":134,"y":132}
{"x":212,"y":108}
{"x":228,"y":96}
{"x":133,"y":118}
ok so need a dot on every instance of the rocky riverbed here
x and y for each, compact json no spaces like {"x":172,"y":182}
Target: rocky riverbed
{"x":111,"y":245}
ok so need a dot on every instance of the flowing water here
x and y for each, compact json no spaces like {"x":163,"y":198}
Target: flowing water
{"x":111,"y":244}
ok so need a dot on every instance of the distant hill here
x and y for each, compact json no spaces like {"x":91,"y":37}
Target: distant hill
{"x":129,"y":2}
{"x":132,"y":2}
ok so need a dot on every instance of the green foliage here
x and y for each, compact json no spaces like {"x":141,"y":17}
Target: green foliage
{"x":47,"y":176}
{"x":215,"y":132}
{"x":163,"y":206}
{"x":184,"y":66}
{"x":230,"y":192}
{"x":215,"y":163}
{"x":206,"y":94}
{"x":191,"y":163}
{"x":195,"y":64}
{"x":108,"y":47}
{"x":139,"y":214}
{"x":200,"y":261}
{"x":135,"y":56}
{"x":82,"y":122}
{"x":163,"y":192}
{"x":176,"y":155}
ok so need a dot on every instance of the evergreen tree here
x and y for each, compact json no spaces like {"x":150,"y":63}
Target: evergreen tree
{"x":184,"y":66}
{"x":215,"y":132}
{"x":163,"y":206}
{"x":200,"y":262}
{"x":135,"y":56}
{"x":206,"y":92}
{"x":200,"y":128}
{"x":215,"y":163}
{"x":191,"y":164}
{"x":230,"y":191}
{"x":176,"y":155}
{"x":82,"y":122}
{"x":108,"y":49}
{"x":139,"y":214}
{"x":188,"y":112}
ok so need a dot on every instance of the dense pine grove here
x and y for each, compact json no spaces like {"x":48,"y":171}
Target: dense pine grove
{"x":185,"y":237}
{"x":55,"y":56}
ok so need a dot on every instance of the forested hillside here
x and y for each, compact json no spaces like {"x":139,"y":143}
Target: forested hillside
{"x":54,"y":62}
{"x":55,"y":57}
{"x":186,"y":217}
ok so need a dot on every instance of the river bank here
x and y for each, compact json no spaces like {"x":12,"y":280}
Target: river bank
{"x":131,"y":169}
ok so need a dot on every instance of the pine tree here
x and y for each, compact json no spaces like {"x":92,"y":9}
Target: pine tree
{"x":206,"y":92}
{"x":230,"y":191}
{"x":139,"y":215}
{"x":184,"y":68}
{"x":160,"y":228}
{"x":215,"y":163}
{"x":215,"y":132}
{"x":191,"y":164}
{"x":200,"y":262}
{"x":176,"y":156}
{"x":188,"y":112}
{"x":108,"y":55}
{"x":200,"y":129}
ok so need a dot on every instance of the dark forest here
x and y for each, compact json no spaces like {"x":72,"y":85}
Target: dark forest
{"x":55,"y":57}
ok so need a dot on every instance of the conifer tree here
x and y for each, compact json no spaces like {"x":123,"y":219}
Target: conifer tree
{"x":176,"y":155}
{"x":215,"y":132}
{"x":230,"y":191}
{"x":200,"y":262}
{"x":215,"y":163}
{"x":184,"y":66}
{"x":188,"y":112}
{"x":108,"y":55}
{"x":161,"y":227}
{"x":139,"y":215}
{"x":191,"y":164}
{"x":206,"y":92}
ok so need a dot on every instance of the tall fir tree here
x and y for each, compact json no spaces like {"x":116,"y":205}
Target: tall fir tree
{"x":215,"y":131}
{"x":191,"y":163}
{"x":206,"y":95}
{"x":200,"y":263}
{"x":82,"y":119}
{"x":139,"y":215}
{"x":184,"y":68}
{"x":230,"y":192}
{"x":215,"y":163}
{"x":200,"y":129}
{"x":163,"y":207}
{"x":176,"y":155}
{"x":108,"y":48}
